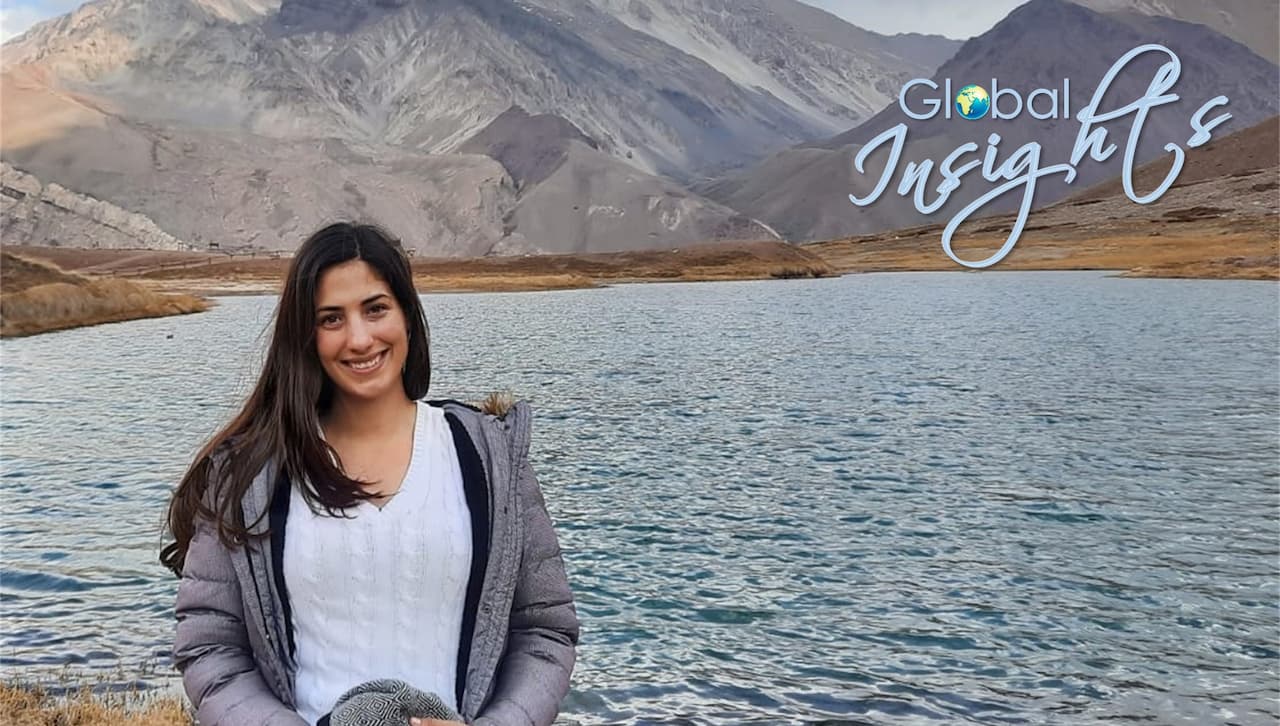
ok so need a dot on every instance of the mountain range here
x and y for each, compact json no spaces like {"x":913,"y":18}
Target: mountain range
{"x":474,"y":127}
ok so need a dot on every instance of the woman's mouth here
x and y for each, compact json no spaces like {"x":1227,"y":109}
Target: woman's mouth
{"x":365,"y":366}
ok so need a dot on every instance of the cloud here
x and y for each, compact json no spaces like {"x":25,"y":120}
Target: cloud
{"x":14,"y":21}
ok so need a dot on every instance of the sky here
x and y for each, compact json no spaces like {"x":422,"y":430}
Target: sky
{"x":945,"y":17}
{"x":959,"y":20}
{"x":18,"y":15}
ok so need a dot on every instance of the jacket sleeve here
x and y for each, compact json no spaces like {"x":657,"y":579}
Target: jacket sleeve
{"x":533,"y":676}
{"x":212,"y":648}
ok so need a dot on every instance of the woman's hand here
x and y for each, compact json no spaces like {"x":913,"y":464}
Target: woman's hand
{"x":430,"y":722}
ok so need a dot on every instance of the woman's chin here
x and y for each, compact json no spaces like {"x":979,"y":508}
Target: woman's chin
{"x":371,"y":390}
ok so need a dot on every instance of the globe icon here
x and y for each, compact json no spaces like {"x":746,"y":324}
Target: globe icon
{"x":973,"y":102}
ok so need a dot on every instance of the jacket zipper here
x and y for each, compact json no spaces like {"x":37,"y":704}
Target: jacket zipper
{"x":274,"y":641}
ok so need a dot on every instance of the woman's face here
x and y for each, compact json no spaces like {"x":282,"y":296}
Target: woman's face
{"x":361,"y":337}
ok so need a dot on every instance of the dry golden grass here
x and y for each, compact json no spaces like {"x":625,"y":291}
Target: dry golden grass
{"x":721,"y":261}
{"x":37,"y":297}
{"x":19,"y":273}
{"x":1235,"y":267}
{"x":219,"y":275}
{"x":1203,"y":254}
{"x":500,"y":283}
{"x":32,"y":706}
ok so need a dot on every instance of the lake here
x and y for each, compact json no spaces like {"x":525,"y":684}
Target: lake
{"x":891,"y":498}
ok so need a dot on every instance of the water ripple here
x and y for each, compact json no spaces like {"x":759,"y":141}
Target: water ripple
{"x":1007,"y":498}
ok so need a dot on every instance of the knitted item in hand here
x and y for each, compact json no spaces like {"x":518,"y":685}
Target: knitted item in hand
{"x":386,"y":702}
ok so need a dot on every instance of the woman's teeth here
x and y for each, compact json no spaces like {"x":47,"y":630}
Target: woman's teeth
{"x":369,"y":364}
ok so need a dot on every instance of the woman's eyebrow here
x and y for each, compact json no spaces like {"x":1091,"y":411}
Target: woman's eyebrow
{"x":363,"y":302}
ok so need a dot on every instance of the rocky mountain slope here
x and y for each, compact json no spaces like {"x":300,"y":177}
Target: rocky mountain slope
{"x":251,"y":121}
{"x":30,"y":209}
{"x":803,"y":192}
{"x":430,"y":75}
{"x":835,"y":74}
{"x":238,"y":189}
{"x":572,"y":197}
{"x":1253,"y":23}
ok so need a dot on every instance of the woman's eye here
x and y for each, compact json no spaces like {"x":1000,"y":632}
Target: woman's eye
{"x":379,"y":309}
{"x":329,"y":321}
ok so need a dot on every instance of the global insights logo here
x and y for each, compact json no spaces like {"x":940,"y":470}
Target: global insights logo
{"x":973,"y":102}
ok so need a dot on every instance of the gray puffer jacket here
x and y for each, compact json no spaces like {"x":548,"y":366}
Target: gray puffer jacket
{"x":233,"y":636}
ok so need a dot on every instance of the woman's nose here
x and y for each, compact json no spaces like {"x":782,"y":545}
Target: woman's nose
{"x":360,"y":335}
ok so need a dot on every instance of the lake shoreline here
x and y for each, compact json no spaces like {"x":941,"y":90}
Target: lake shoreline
{"x":120,"y":285}
{"x":201,"y":289}
{"x":1244,"y":249}
{"x":229,"y":277}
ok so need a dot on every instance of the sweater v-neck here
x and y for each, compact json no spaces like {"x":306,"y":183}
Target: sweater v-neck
{"x":415,"y":456}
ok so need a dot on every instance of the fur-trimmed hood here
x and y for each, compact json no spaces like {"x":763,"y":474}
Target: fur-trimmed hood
{"x":497,"y":403}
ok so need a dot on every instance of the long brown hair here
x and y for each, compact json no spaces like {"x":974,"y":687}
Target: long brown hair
{"x":280,"y":421}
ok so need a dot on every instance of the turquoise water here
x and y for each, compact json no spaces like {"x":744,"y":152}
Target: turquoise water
{"x":952,"y":497}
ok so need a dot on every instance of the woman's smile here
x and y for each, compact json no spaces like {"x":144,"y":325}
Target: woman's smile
{"x":365,"y":366}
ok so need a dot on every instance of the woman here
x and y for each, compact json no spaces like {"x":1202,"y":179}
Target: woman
{"x":339,"y":530}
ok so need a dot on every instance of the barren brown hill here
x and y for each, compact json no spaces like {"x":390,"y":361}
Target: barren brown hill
{"x":1221,"y":219}
{"x":18,"y":274}
{"x":243,"y":122}
{"x":1254,"y":149}
{"x":38,"y":297}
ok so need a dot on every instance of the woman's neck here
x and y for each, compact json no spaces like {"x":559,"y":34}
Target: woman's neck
{"x":363,"y":419}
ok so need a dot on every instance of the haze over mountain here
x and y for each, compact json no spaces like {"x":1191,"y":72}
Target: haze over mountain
{"x":803,"y":192}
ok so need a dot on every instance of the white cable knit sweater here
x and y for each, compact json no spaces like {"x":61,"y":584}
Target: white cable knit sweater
{"x":381,"y":595}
